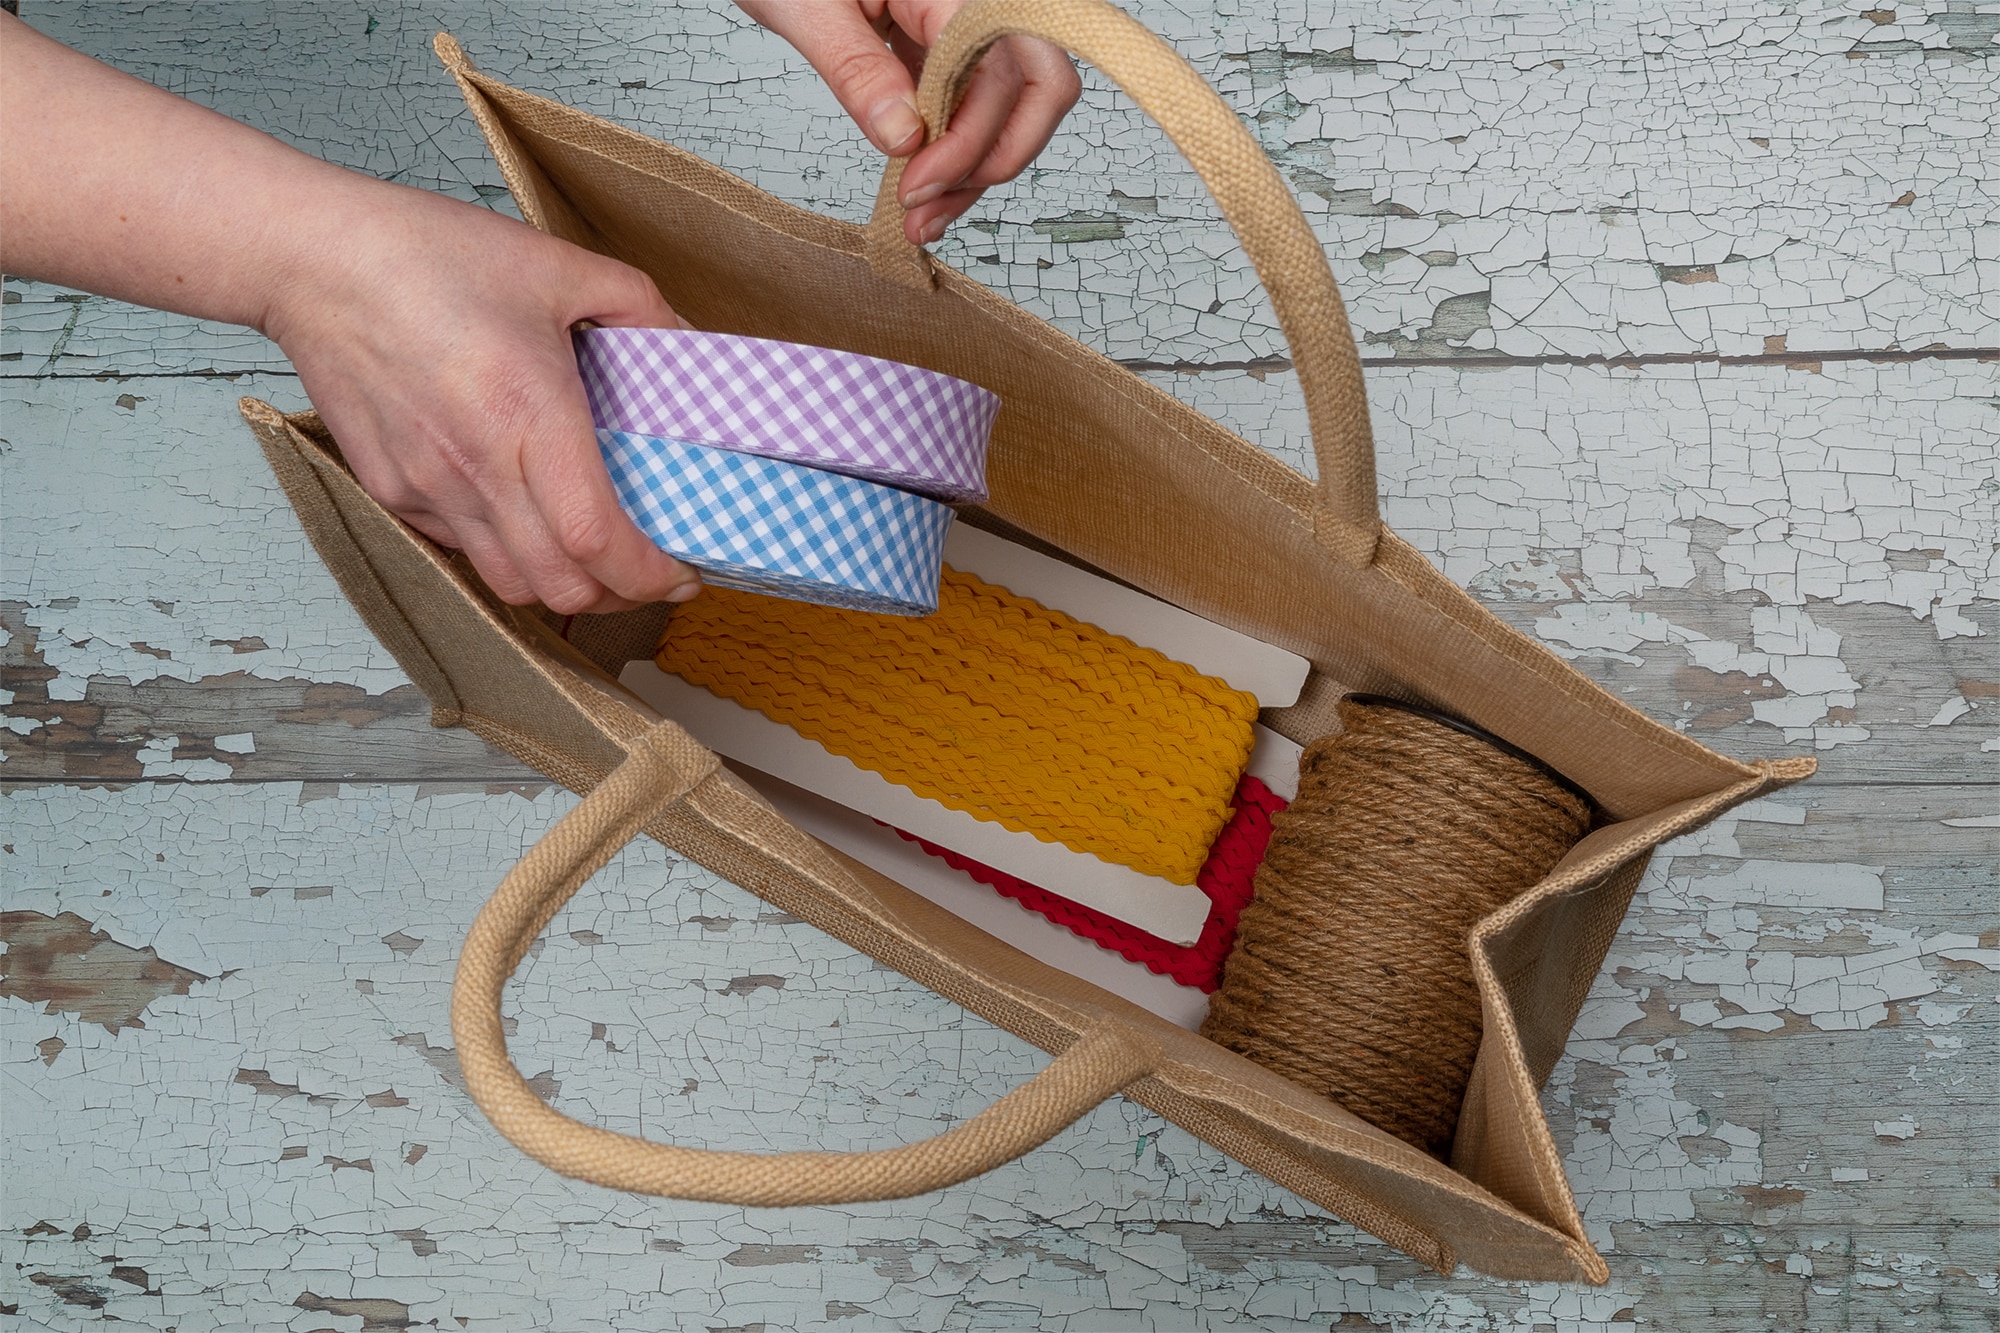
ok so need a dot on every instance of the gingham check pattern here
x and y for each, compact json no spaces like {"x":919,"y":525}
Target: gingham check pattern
{"x":855,"y":415}
{"x":775,"y":527}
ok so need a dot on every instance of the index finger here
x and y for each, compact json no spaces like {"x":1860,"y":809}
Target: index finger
{"x":1049,"y":88}
{"x":568,"y":485}
{"x":1013,"y":103}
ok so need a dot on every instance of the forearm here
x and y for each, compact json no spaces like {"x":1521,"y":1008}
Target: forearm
{"x":113,"y":186}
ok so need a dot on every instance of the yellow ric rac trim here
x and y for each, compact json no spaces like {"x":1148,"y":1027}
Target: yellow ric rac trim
{"x":997,"y":706}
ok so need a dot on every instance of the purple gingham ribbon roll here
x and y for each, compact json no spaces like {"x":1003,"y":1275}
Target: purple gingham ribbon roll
{"x":860,"y":416}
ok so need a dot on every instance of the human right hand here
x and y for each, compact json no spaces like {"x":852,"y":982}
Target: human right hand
{"x":435,"y":344}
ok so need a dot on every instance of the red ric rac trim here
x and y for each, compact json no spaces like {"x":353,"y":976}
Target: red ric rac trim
{"x":1227,"y":877}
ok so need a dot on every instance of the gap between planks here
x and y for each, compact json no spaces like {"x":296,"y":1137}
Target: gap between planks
{"x":1483,"y":360}
{"x":1279,"y":364}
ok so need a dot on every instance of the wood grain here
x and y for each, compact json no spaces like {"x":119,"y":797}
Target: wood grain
{"x":1682,"y":325}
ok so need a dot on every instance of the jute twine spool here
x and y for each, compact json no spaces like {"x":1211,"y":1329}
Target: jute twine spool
{"x":1350,"y":974}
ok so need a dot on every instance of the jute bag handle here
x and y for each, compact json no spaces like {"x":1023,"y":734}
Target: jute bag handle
{"x":1253,"y":198}
{"x":1104,"y":1059}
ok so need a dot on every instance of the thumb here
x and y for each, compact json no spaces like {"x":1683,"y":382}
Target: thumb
{"x":857,"y":64}
{"x":617,"y":295}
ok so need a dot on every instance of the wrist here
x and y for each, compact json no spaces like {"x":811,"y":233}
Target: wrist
{"x":356,"y":230}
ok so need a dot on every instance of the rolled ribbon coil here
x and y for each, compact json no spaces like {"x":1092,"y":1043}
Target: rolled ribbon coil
{"x":860,"y":416}
{"x":773,"y":527}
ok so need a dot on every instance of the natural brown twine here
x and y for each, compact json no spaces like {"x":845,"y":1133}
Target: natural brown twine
{"x":1351,"y":974}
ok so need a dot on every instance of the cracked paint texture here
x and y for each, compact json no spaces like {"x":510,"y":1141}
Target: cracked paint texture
{"x":223,"y":796}
{"x":1655,"y":180}
{"x":318,"y":1138}
{"x":1627,"y":508}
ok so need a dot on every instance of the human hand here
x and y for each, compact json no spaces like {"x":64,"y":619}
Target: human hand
{"x":434,"y":340}
{"x":432,"y":335}
{"x":870,"y":53}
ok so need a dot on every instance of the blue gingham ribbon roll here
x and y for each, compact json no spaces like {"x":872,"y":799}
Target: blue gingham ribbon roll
{"x":861,"y":416}
{"x":774,"y":527}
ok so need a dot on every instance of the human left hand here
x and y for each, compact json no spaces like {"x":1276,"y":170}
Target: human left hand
{"x":870,"y":52}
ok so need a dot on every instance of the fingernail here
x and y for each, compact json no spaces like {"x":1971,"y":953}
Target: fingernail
{"x":685,"y":592}
{"x":934,"y":229}
{"x":894,"y":125}
{"x":922,"y":195}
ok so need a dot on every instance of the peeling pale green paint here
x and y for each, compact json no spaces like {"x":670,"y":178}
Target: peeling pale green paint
{"x":1773,"y":1108}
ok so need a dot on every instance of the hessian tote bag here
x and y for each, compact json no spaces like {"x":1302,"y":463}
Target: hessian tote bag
{"x":1091,"y":461}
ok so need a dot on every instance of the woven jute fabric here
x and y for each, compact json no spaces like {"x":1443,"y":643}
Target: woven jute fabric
{"x":1352,"y":974}
{"x":1098,"y":1064}
{"x":993,"y":705}
{"x":1254,"y":198}
{"x":1089,"y":459}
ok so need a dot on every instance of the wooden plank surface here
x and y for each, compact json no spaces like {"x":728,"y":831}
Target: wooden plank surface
{"x":1771,"y":521}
